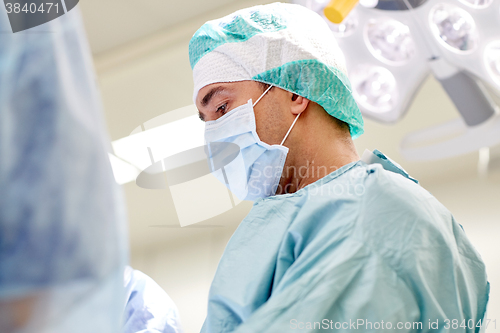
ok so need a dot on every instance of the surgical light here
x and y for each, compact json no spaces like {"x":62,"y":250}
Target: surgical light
{"x":392,"y":46}
{"x":389,"y":40}
{"x":492,"y":60}
{"x":453,"y":27}
{"x":374,"y":87}
{"x":477,"y":4}
{"x":346,"y":27}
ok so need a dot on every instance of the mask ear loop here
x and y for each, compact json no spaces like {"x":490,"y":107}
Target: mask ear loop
{"x":290,"y":129}
{"x":262,"y":95}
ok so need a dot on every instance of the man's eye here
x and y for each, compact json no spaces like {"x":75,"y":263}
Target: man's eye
{"x":222,"y":108}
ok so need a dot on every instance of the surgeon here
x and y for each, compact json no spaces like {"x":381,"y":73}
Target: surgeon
{"x":63,"y":241}
{"x":332,"y":242}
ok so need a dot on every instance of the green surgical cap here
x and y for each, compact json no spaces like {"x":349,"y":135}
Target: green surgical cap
{"x":285,"y":45}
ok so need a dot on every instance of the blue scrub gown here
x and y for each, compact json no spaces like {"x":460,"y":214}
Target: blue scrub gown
{"x":149,"y":309}
{"x":362,"y":248}
{"x":63,"y":239}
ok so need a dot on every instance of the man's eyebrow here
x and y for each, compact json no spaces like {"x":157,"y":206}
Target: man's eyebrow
{"x":214,"y":91}
{"x":206,"y":99}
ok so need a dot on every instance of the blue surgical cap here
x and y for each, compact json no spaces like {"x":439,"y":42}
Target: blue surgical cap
{"x":285,"y":45}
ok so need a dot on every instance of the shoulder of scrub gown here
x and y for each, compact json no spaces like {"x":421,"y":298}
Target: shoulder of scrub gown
{"x":361,"y":243}
{"x":149,"y":309}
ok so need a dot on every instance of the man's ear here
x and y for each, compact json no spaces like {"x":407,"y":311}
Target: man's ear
{"x":298,"y":104}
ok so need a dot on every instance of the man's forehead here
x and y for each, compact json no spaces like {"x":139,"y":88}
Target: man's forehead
{"x":213,"y":89}
{"x":206,"y":93}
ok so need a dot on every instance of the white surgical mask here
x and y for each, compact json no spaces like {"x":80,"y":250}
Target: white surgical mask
{"x":256,"y":170}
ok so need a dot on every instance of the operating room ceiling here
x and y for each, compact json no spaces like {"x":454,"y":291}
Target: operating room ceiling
{"x":111,"y":23}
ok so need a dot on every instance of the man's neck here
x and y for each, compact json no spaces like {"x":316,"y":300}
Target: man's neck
{"x":313,"y":154}
{"x":309,"y":168}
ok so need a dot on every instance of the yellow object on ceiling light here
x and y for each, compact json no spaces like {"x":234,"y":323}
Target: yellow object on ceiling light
{"x":337,"y":10}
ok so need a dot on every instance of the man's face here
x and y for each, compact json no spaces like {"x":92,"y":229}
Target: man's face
{"x":272,"y":114}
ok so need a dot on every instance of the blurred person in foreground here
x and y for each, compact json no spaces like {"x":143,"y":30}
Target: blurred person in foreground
{"x":63,"y":249}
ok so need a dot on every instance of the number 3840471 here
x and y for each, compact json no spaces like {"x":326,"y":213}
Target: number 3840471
{"x":31,"y":8}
